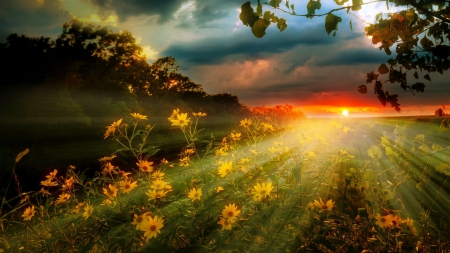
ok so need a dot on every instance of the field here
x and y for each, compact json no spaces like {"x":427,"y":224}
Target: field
{"x":274,"y":183}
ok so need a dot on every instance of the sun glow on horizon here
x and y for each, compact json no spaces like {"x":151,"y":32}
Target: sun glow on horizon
{"x":345,"y":112}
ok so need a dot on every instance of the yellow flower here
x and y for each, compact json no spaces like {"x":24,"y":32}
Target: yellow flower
{"x":113,"y":190}
{"x":230,"y":212}
{"x":218,"y":189}
{"x":138,"y":220}
{"x":199,"y":114}
{"x":267,"y":127}
{"x":311,"y":154}
{"x":274,"y":149}
{"x":88,"y":209}
{"x":151,"y":226}
{"x":383,"y":221}
{"x":244,"y":161}
{"x":122,"y":174}
{"x":189,"y":152}
{"x":138,"y":116}
{"x":109,"y":132}
{"x":409,"y":222}
{"x":396,"y":221}
{"x":195,"y":194}
{"x":155,"y":195}
{"x":246,"y":122}
{"x":145,"y":166}
{"x":181,"y":120}
{"x":174,"y":115}
{"x":262,"y":190}
{"x":69,"y":183}
{"x":184,"y":161}
{"x":62,"y":198}
{"x":225,"y":224}
{"x":44,"y":191}
{"x":126,"y":186}
{"x":158,"y":175}
{"x":324,"y":207}
{"x":107,"y":202}
{"x":158,"y":184}
{"x":235,"y":136}
{"x":108,"y":168}
{"x":107,"y":158}
{"x":78,"y":207}
{"x":49,"y":183}
{"x":28,"y":214}
{"x":116,"y":123}
{"x":221,"y":152}
{"x":52,"y":175}
{"x":164,"y":161}
{"x":225,"y":169}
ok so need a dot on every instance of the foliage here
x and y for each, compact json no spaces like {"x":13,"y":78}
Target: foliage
{"x":58,"y":94}
{"x":291,"y":186}
{"x":418,"y":29}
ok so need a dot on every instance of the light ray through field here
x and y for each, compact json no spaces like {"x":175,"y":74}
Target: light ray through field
{"x":336,"y":182}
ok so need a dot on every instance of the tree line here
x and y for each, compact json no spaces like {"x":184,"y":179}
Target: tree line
{"x":58,"y":95}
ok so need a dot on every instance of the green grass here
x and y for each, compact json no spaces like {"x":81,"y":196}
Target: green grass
{"x":339,"y":185}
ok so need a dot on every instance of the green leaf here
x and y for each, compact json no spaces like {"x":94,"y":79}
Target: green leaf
{"x":385,"y":141}
{"x":267,"y":16}
{"x":419,"y":187}
{"x":259,"y":9}
{"x":356,"y":5}
{"x":340,"y":2}
{"x":426,"y":43}
{"x":383,"y":69}
{"x":259,"y":28}
{"x":297,"y":173}
{"x":247,"y":16}
{"x":275,"y":3}
{"x":312,"y":6}
{"x":436,"y":147}
{"x":375,"y":152}
{"x":420,"y":138}
{"x":424,"y":149}
{"x":390,"y":195}
{"x":331,"y":23}
{"x":281,"y":24}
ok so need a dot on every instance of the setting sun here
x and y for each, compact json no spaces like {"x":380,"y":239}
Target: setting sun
{"x":345,"y":112}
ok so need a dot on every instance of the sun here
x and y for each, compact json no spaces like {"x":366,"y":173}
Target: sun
{"x":345,"y":112}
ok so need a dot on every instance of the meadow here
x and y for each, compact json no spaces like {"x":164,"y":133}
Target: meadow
{"x":273,"y":183}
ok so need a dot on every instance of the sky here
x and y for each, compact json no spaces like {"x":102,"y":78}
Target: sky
{"x":302,"y":66}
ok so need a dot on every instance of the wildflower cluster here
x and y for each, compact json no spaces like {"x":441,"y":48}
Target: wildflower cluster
{"x":267,"y":184}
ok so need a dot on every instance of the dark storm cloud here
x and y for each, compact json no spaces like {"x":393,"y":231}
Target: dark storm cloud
{"x":31,"y":19}
{"x":206,"y":10}
{"x":124,"y":9}
{"x":355,"y":56}
{"x":244,"y":46}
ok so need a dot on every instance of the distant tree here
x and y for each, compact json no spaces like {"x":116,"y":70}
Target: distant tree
{"x":419,"y":30}
{"x":229,"y":102}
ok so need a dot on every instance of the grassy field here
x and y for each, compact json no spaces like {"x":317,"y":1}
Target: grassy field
{"x":273,"y":184}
